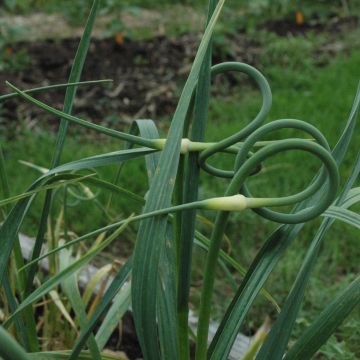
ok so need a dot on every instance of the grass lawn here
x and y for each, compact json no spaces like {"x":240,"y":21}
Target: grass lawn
{"x":320,"y":95}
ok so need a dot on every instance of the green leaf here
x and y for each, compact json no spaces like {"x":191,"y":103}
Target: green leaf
{"x":75,"y":74}
{"x":4,"y":182}
{"x":20,"y":327}
{"x":71,"y":290}
{"x":109,"y":295}
{"x":352,"y":198}
{"x":53,"y":185}
{"x":204,"y":243}
{"x":9,"y":348}
{"x":151,"y":235}
{"x":101,"y":160}
{"x":189,"y":193}
{"x":76,"y":120}
{"x":166,"y":309}
{"x":166,"y":293}
{"x":68,"y":271}
{"x":73,"y":179}
{"x":344,"y":215}
{"x":114,"y":315}
{"x":11,"y":225}
{"x":326,"y":323}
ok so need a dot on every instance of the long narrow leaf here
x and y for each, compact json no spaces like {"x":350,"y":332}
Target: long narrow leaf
{"x":109,"y":295}
{"x":59,"y":277}
{"x":11,"y":225}
{"x":166,"y":309}
{"x":9,"y":348}
{"x":113,"y":316}
{"x":187,"y":219}
{"x":71,"y":290}
{"x":344,"y":215}
{"x":53,"y":185}
{"x":52,"y":87}
{"x":151,"y":235}
{"x":203,"y":242}
{"x":326,"y":323}
{"x":75,"y":75}
{"x":76,"y":120}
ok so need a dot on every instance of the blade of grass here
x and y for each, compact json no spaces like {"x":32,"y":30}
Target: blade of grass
{"x":54,"y":185}
{"x":12,"y":303}
{"x":3,"y":178}
{"x":95,"y":281}
{"x":56,"y":301}
{"x":147,"y":129}
{"x":73,"y":179}
{"x":143,"y":216}
{"x":166,"y":293}
{"x":75,"y":74}
{"x":13,"y":241}
{"x":352,"y":198}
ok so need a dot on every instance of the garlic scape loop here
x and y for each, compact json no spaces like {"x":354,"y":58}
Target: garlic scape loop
{"x":249,"y":128}
{"x":328,"y":177}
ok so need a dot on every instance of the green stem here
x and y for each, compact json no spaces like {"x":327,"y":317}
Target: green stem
{"x":208,"y":287}
{"x":191,"y":187}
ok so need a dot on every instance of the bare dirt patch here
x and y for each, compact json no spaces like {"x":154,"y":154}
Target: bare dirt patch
{"x":147,"y":74}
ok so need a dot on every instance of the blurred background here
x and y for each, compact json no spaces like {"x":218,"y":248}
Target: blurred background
{"x":308,"y":50}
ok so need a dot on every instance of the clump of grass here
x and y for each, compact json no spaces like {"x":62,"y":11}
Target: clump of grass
{"x":159,"y":270}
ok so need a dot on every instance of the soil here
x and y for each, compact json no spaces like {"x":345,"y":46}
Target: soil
{"x":146,"y":77}
{"x":146,"y":74}
{"x":335,"y":25}
{"x":126,"y":339}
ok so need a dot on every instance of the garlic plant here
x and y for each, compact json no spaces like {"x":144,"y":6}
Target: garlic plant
{"x":160,"y":267}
